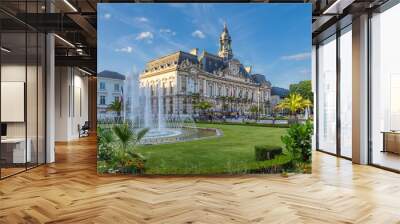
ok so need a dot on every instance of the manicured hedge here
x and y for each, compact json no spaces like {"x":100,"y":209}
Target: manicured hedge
{"x":275,"y":165}
{"x":266,"y":152}
{"x":246,"y":124}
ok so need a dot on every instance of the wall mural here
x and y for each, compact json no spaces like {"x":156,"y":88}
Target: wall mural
{"x":204,"y":88}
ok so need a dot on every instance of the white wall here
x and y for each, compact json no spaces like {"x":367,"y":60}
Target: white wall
{"x":71,"y":102}
{"x":12,"y":73}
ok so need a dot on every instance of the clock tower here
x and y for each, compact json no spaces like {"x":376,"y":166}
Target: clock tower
{"x":225,"y":48}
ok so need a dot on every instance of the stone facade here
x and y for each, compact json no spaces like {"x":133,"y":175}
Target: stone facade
{"x":187,"y":78}
{"x":109,"y":89}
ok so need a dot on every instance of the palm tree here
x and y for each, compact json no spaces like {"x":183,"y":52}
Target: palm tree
{"x":295,"y":103}
{"x":116,"y":106}
{"x":126,"y":143}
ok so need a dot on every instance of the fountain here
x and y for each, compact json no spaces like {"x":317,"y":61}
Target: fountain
{"x":144,"y":108}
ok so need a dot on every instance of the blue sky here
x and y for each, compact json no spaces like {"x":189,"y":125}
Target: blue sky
{"x":274,"y":38}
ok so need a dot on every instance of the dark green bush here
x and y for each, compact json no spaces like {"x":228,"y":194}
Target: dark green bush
{"x":275,"y":165}
{"x":246,"y":124}
{"x":117,"y":146}
{"x":298,"y":142}
{"x":266,"y":152}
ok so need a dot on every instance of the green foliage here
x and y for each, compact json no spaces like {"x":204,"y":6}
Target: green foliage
{"x":102,"y":166}
{"x":303,"y":88}
{"x":116,"y":106}
{"x":245,"y":124}
{"x":274,"y":165}
{"x":195,"y":98}
{"x":225,"y":107}
{"x":124,"y":134}
{"x":117,"y":149}
{"x":105,"y":140}
{"x":203,"y":106}
{"x":294,"y":103}
{"x":298,"y":142}
{"x":266,"y":152}
{"x":254,"y":109}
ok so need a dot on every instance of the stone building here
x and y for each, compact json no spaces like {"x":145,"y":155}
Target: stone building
{"x":109,"y":89}
{"x":185,"y":78}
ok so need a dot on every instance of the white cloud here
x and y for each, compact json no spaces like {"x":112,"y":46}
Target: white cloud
{"x":168,"y":31}
{"x":107,"y":16}
{"x":145,"y":36}
{"x":198,"y":34}
{"x":141,"y":19}
{"x":297,"y":57}
{"x":125,"y":49}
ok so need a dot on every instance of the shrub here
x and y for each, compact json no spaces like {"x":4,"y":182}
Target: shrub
{"x":298,"y":142}
{"x":266,"y":152}
{"x":117,"y":146}
{"x":275,"y":165}
{"x":245,"y":124}
{"x":105,"y":138}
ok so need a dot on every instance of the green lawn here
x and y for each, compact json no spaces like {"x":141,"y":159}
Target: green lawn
{"x":227,"y":154}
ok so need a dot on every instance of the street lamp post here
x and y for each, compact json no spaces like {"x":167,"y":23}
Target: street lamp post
{"x":258,"y":103}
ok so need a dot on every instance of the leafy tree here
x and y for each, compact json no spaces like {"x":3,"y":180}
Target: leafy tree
{"x":116,"y":106}
{"x":303,"y":88}
{"x":295,"y":103}
{"x":225,"y":107}
{"x":195,"y":99}
{"x":203,"y":106}
{"x":254,"y":110}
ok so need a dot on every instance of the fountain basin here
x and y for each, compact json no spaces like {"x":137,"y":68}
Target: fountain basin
{"x":172,"y":135}
{"x":162,"y":133}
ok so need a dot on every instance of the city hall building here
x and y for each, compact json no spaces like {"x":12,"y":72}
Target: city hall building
{"x":186,"y":78}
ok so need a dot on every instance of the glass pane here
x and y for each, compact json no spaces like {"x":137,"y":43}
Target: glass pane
{"x":13,"y":87}
{"x":327,"y":95}
{"x":346,"y":93}
{"x":386,"y":89}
